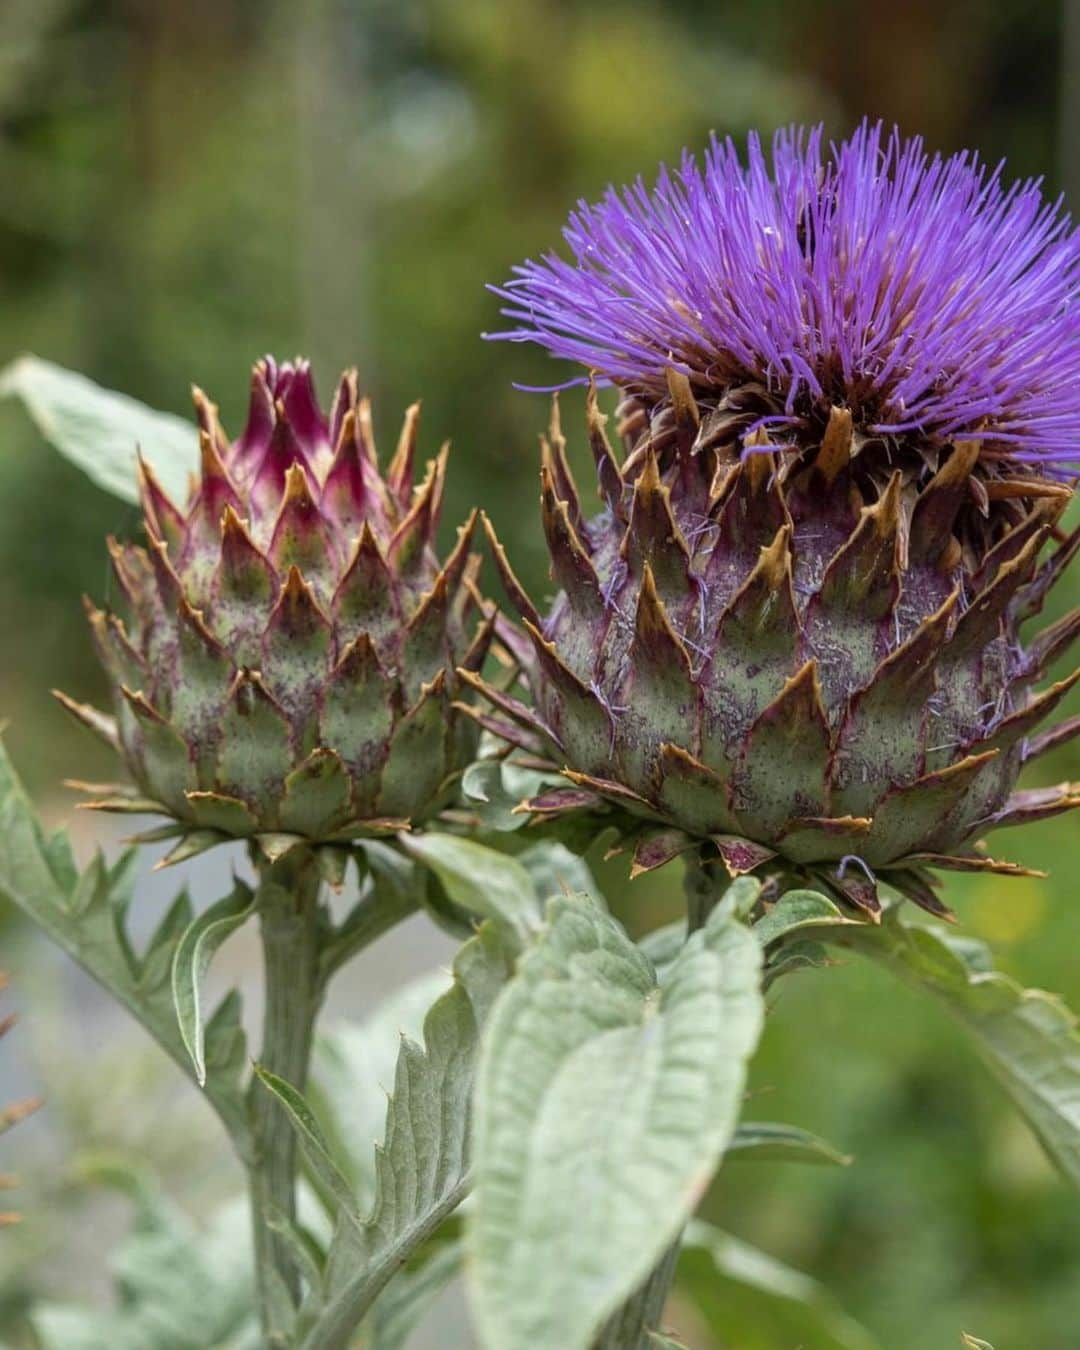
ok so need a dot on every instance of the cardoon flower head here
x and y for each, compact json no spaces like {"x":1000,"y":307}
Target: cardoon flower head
{"x":287,"y":666}
{"x":852,"y":397}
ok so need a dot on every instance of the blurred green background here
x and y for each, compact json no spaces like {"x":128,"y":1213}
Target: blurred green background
{"x":185,"y":186}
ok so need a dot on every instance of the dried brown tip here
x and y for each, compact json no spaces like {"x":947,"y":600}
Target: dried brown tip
{"x":399,"y":476}
{"x":683,"y":403}
{"x":835,"y":451}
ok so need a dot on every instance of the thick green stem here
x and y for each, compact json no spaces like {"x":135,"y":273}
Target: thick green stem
{"x":630,"y":1327}
{"x":288,"y":905}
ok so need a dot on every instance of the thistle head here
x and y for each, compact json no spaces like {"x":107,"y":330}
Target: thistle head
{"x":851,"y":402}
{"x":286,"y":663}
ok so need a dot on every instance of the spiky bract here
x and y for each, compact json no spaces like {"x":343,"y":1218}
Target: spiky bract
{"x":750,"y":654}
{"x":288,"y":662}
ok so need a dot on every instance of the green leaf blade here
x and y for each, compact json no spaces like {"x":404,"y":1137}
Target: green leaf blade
{"x":604,"y":1104}
{"x":481,"y":880}
{"x":759,"y":1303}
{"x":311,"y":1138}
{"x":38,"y":876}
{"x":767,"y":1141}
{"x":423,"y":1167}
{"x":796,"y":911}
{"x":191,"y":961}
{"x":1028,"y":1038}
{"x":100,"y":430}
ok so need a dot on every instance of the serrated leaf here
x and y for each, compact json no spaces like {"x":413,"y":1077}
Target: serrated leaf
{"x":604,"y":1104}
{"x":795,"y":911}
{"x":1029,"y":1039}
{"x":309,"y":1132}
{"x":757,"y":1302}
{"x":408,"y":1297}
{"x":422,"y":1168}
{"x":555,"y":870}
{"x":37,"y":875}
{"x":100,"y":430}
{"x":160,"y":950}
{"x":353,"y":1072}
{"x":178,"y":1288}
{"x":91,"y":888}
{"x":481,"y":880}
{"x":769,"y":1141}
{"x":194,"y":952}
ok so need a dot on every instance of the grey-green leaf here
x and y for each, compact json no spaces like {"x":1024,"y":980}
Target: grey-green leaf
{"x":407,"y":1299}
{"x":494,"y":788}
{"x":795,"y":911}
{"x":353,"y":1070}
{"x":757,"y":1302}
{"x":604,"y":1104}
{"x":100,"y":430}
{"x":194,"y":952}
{"x":312,"y":1141}
{"x":1028,"y":1038}
{"x":481,"y":880}
{"x":555,"y":870}
{"x":768,"y":1141}
{"x":178,"y":1288}
{"x":85,"y":916}
{"x":422,"y":1170}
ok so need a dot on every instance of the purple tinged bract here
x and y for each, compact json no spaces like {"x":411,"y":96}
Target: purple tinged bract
{"x":920,"y":292}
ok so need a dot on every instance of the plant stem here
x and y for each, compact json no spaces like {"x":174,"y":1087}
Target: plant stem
{"x":629,"y":1328}
{"x":288,"y":907}
{"x":703,"y":886}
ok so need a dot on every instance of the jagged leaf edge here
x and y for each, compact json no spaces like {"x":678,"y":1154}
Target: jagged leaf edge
{"x":84,"y":914}
{"x":364,"y":1256}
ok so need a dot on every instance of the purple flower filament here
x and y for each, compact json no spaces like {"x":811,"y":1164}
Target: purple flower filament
{"x":923,"y":293}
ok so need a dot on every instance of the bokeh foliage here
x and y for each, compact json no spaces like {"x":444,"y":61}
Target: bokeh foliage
{"x":186,"y":186}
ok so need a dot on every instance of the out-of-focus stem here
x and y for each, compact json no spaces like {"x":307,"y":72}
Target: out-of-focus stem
{"x":629,"y":1328}
{"x":704,"y":883}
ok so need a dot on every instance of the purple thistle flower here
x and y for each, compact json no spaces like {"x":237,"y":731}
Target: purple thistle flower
{"x":923,"y":294}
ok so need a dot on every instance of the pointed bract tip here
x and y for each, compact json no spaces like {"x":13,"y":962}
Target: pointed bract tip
{"x":834,"y":452}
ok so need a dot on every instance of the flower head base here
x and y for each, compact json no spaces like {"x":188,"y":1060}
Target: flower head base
{"x":744,"y":657}
{"x":922,"y":295}
{"x":288,"y":666}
